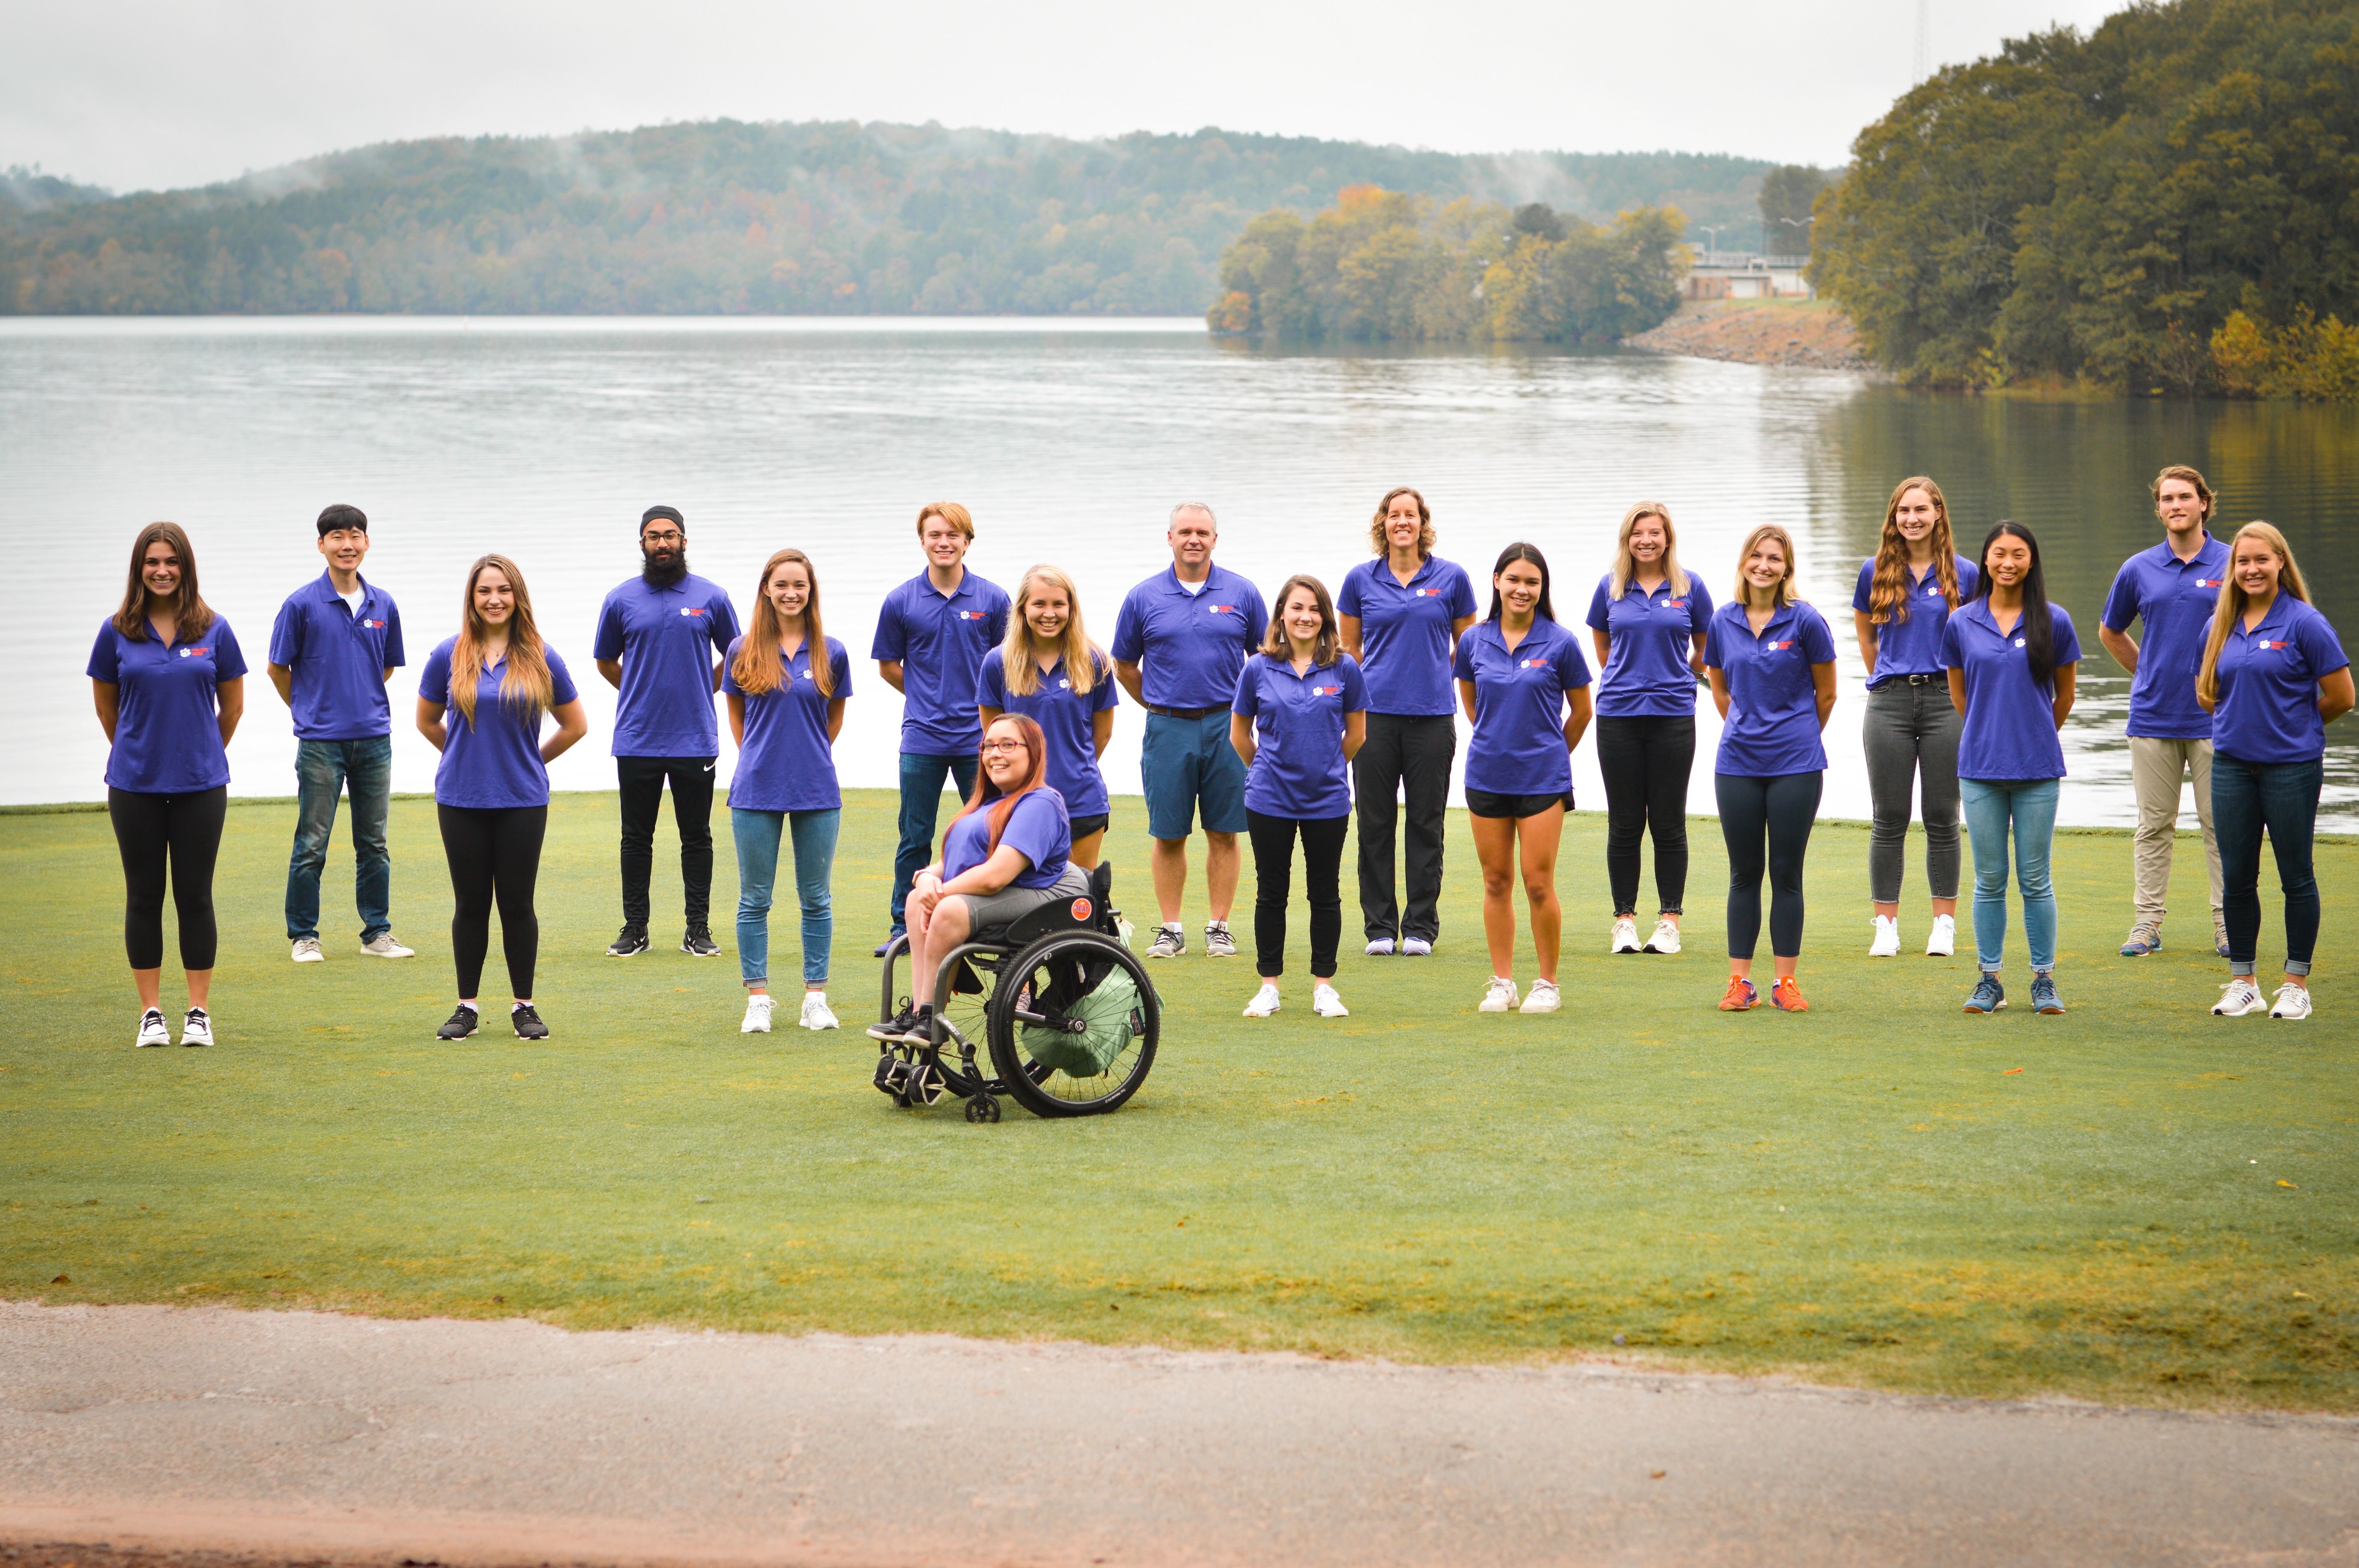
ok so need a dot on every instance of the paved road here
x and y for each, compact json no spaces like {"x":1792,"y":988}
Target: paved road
{"x":298,"y":1437}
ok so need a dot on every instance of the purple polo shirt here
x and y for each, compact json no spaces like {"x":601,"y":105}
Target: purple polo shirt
{"x":787,"y":764}
{"x":168,"y":718}
{"x":667,"y":638}
{"x":938,"y":640}
{"x":1190,"y":647}
{"x":1911,"y":644}
{"x":1299,"y":769}
{"x":1517,"y":747}
{"x":2268,"y":710}
{"x":493,"y":763}
{"x":1649,"y":637}
{"x":2010,"y":729}
{"x":338,"y":660}
{"x":1773,"y":696}
{"x":1037,"y":827}
{"x":1405,"y":632}
{"x":1068,"y":720}
{"x":2175,"y":599}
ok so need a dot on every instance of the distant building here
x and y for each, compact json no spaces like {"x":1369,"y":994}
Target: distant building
{"x":1733,"y":275}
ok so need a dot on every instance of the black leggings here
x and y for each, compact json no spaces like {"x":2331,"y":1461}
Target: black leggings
{"x":1322,"y":864}
{"x":493,"y":854}
{"x":187,"y":829}
{"x":1782,"y":809}
{"x":1646,"y":761}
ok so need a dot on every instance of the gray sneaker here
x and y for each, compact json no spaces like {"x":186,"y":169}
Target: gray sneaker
{"x":382,"y":946}
{"x":1168,"y":944}
{"x":1218,"y":942}
{"x":307,"y":950}
{"x":2146,"y":937}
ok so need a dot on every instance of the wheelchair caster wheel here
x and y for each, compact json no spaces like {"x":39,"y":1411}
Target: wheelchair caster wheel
{"x":982,"y":1108}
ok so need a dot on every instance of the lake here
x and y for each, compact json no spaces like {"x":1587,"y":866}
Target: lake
{"x":544,"y":439}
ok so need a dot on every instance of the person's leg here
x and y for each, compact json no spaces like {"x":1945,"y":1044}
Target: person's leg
{"x":368,"y":778}
{"x":1272,"y":847}
{"x":1323,"y":889}
{"x":1670,"y":758}
{"x":192,"y":825}
{"x":1888,"y":734}
{"x":1428,"y":747}
{"x":1167,"y":773}
{"x":1221,"y":780}
{"x":319,"y":781}
{"x":516,"y":838}
{"x":1621,"y":761}
{"x":2157,"y":771}
{"x":139,"y":839}
{"x":2236,"y":819}
{"x":756,"y":835}
{"x":1375,"y":787}
{"x":2033,"y":811}
{"x":691,"y":813}
{"x":930,"y":938}
{"x":815,"y":834}
{"x":921,"y":804}
{"x":1495,"y":850}
{"x":2199,"y":769}
{"x":1793,"y":807}
{"x":640,"y":780}
{"x":1744,"y":828}
{"x":468,"y":847}
{"x":1537,"y":839}
{"x":1986,"y":807}
{"x":1938,"y":726}
{"x":2288,"y":793}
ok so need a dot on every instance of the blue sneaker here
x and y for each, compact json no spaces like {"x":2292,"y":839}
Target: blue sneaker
{"x":2145,"y":937}
{"x":1989,"y":996}
{"x":2043,"y":994}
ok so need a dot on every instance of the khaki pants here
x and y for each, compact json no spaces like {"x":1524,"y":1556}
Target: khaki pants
{"x":2158,"y":770}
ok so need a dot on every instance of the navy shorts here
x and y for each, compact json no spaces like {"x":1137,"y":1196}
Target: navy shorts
{"x":1188,"y":762}
{"x":1485,"y":803}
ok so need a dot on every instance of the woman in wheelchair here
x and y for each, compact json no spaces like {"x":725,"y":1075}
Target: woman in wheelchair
{"x":1005,"y":854}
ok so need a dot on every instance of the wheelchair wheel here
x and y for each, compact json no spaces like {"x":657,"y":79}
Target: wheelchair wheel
{"x":1074,"y":1022}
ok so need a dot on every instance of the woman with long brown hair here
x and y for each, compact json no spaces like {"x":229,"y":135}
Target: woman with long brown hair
{"x":169,"y":684}
{"x":480,"y":701}
{"x":786,"y":682}
{"x":1049,"y":671}
{"x":1906,"y":594}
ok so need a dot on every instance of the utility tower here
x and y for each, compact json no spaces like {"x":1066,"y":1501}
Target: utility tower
{"x":1924,"y":40}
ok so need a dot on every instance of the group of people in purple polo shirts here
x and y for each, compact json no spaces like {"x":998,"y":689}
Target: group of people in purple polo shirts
{"x":1287,"y":723}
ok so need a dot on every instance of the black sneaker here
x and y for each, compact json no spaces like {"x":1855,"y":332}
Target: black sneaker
{"x":891,"y":1030}
{"x":630,"y":944}
{"x":527,"y":1022}
{"x":462,"y":1024}
{"x":921,"y":1028}
{"x":699,"y":943}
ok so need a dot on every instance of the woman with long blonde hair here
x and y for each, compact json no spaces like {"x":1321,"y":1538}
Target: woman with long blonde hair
{"x":1049,"y":671}
{"x":1906,"y":590}
{"x":481,"y":699}
{"x":786,"y":682}
{"x":1647,"y":618}
{"x":2274,"y":676}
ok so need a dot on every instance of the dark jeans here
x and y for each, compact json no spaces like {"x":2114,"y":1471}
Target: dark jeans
{"x":1781,"y":809}
{"x":921,"y":805}
{"x":1407,"y":755}
{"x":2282,"y":797}
{"x":1323,"y":872}
{"x":325,"y":770}
{"x":1910,"y":734}
{"x":493,"y":855}
{"x":185,"y":831}
{"x":692,"y":811}
{"x":1646,"y":761}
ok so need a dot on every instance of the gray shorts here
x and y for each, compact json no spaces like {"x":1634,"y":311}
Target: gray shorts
{"x":988,"y":912}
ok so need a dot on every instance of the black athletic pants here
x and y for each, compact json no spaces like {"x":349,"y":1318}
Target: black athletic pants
{"x":185,"y":831}
{"x":1408,"y":756}
{"x":493,"y":855}
{"x":1646,"y":761}
{"x":1323,"y":877}
{"x":692,"y":811}
{"x":1781,"y":809}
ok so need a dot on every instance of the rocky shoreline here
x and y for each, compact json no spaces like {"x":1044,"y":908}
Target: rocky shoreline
{"x":1805,"y":333}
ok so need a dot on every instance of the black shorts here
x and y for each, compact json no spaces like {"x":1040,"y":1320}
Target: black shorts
{"x":1081,"y":827}
{"x":1483,"y":803}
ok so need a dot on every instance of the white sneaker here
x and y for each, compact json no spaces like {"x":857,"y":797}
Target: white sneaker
{"x":1500,"y":997}
{"x":2238,"y":998}
{"x":307,"y":950}
{"x":1416,"y":947}
{"x":1327,"y":1004}
{"x":1382,"y":947}
{"x":382,"y":946}
{"x":153,"y":1030}
{"x":1943,"y":943}
{"x":1887,"y":938}
{"x":1542,"y":999}
{"x":1666,"y":937}
{"x":2293,"y":1002}
{"x":196,"y":1028}
{"x":758,"y":1015}
{"x":1264,"y":1002}
{"x":1626,"y":934}
{"x":817,"y":1014}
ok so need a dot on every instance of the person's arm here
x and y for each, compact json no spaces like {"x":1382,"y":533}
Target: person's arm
{"x":1458,"y":629}
{"x":835,"y":719}
{"x":2067,"y":682}
{"x":2334,"y":695}
{"x":612,"y":668}
{"x":1127,"y":671}
{"x":572,"y":723}
{"x":229,"y":700}
{"x":108,"y":697}
{"x":1719,"y":677}
{"x":890,"y":669}
{"x":1604,"y":646}
{"x":718,"y":670}
{"x":389,"y":675}
{"x":1356,"y":733}
{"x":1958,"y":689}
{"x":1240,"y":738}
{"x":1102,"y":730}
{"x":1866,"y":631}
{"x":988,"y":713}
{"x":282,"y":677}
{"x":2121,"y":646}
{"x":1349,"y":625}
{"x":1005,"y":865}
{"x":1578,"y":709}
{"x":1822,"y":676}
{"x":1695,"y":660}
{"x":431,"y":724}
{"x":1466,"y":699}
{"x":738,"y":718}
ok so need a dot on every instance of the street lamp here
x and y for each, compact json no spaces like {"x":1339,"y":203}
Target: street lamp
{"x":1712,"y":245}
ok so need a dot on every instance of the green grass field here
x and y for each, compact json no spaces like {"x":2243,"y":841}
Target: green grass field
{"x":2136,"y":1202}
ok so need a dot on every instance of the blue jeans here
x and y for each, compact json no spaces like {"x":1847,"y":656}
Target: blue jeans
{"x":2029,"y":805}
{"x":921,"y":805}
{"x":323,"y":770}
{"x":757,"y":835}
{"x":2282,"y":797}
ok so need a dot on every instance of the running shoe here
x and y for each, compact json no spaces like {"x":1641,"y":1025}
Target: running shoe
{"x":817,"y":1014}
{"x":307,"y":950}
{"x":697,"y":942}
{"x":1541,"y":999}
{"x":893,"y":1029}
{"x":1989,"y":996}
{"x":1625,"y":935}
{"x":1740,"y":997}
{"x":2043,"y":994}
{"x":757,"y":1016}
{"x":153,"y":1030}
{"x":463,"y":1021}
{"x":1327,"y":1004}
{"x":2145,"y":937}
{"x":2220,"y":933}
{"x":2293,"y":1002}
{"x":896,"y":934}
{"x":1416,"y":947}
{"x":1499,"y":998}
{"x":1264,"y":1002}
{"x":632,"y":942}
{"x":1787,"y":996}
{"x":1666,"y":937}
{"x":921,"y":1028}
{"x":1887,"y":938}
{"x":1380,"y":947}
{"x":382,"y":946}
{"x":527,"y":1022}
{"x":196,"y":1028}
{"x":1943,"y":943}
{"x":1169,"y":941}
{"x":2238,"y":996}
{"x":1218,"y":942}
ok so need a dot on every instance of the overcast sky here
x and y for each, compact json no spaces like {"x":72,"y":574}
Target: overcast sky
{"x":136,"y":94}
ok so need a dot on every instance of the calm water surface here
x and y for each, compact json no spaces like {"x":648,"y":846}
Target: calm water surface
{"x":545,"y":438}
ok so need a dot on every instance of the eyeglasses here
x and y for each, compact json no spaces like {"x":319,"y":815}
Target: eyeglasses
{"x":667,"y":537}
{"x":1002,"y":746}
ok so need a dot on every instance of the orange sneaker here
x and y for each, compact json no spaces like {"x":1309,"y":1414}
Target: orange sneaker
{"x":1741,"y":996}
{"x":1787,"y":996}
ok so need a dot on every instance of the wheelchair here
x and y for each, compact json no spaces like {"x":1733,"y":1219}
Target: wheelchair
{"x":1051,"y":1010}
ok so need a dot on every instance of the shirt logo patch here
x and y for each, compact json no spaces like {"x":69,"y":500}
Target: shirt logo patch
{"x":1531,"y":664}
{"x":969,"y":614}
{"x":1781,"y":647}
{"x":193,"y":652}
{"x":1063,"y":684}
{"x":2018,"y":642}
{"x":1426,"y":593}
{"x":1220,"y":609}
{"x":1675,"y":604}
{"x":374,"y":625}
{"x":691,"y":609}
{"x":2263,"y":643}
{"x":1326,"y":691}
{"x":2211,"y":583}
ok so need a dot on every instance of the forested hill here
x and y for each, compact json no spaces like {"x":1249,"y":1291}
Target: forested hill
{"x":725,"y":216}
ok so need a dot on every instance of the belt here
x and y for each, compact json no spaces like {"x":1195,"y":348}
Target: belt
{"x":1177,"y":713}
{"x":1940,"y":679}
